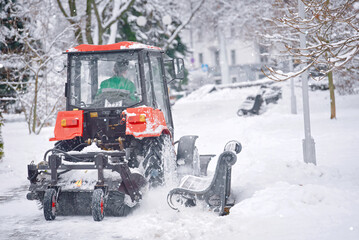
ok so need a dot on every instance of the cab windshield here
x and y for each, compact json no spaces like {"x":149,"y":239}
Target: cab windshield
{"x":107,"y":80}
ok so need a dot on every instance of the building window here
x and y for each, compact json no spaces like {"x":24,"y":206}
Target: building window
{"x":200,"y":58}
{"x":233,"y":57}
{"x":263,"y":51}
{"x":216,"y":57}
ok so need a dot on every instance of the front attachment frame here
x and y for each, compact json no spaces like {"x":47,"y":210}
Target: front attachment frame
{"x":59,"y":163}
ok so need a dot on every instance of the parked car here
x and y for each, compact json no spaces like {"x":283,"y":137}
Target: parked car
{"x":271,"y":94}
{"x":318,"y":84}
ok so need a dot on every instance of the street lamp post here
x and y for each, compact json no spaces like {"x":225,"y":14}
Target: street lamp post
{"x":293,"y":99}
{"x":308,"y":142}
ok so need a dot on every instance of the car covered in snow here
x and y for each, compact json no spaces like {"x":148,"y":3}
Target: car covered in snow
{"x":315,"y":84}
{"x":271,"y":94}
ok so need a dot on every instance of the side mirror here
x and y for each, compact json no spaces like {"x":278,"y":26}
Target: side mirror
{"x":178,"y":66}
{"x":66,"y":90}
{"x":234,"y":146}
{"x":175,"y":68}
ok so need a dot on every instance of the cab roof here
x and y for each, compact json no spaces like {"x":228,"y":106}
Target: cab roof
{"x":110,"y":47}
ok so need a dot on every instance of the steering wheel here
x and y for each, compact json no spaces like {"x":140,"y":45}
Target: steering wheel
{"x":115,"y":97}
{"x":83,"y":104}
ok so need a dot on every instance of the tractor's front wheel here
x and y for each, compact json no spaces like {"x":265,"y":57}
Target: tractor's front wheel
{"x":98,"y":205}
{"x":49,"y":204}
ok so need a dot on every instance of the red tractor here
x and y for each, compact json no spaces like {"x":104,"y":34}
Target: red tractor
{"x":116,"y":135}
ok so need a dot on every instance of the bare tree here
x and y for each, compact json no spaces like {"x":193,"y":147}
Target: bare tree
{"x":42,"y":94}
{"x":332,"y":32}
{"x":184,"y":22}
{"x":103,"y":16}
{"x":98,"y":22}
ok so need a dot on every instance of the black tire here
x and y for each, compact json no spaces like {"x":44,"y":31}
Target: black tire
{"x":153,"y":163}
{"x":98,"y":205}
{"x":49,"y":204}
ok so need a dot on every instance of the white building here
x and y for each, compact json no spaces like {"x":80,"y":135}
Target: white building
{"x":244,"y":59}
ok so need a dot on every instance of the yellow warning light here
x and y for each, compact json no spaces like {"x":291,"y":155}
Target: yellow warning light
{"x":63,"y":123}
{"x":79,"y":183}
{"x":93,"y":114}
{"x":69,"y":122}
{"x":142,"y":118}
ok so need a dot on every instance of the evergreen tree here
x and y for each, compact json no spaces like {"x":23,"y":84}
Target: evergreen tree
{"x":10,"y":23}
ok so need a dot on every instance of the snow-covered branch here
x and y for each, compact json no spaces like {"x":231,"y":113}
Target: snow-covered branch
{"x":117,"y":13}
{"x":332,"y":37}
{"x":184,"y":23}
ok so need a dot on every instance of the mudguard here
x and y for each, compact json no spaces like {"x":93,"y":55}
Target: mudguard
{"x":145,"y":122}
{"x":187,"y":156}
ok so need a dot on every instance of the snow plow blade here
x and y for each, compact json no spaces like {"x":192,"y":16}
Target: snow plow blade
{"x":78,"y":203}
{"x":214,"y":192}
{"x":87,"y":191}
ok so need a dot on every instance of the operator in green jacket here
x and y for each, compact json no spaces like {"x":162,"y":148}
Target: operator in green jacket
{"x":119,"y":80}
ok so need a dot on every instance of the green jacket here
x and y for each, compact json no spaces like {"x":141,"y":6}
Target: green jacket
{"x":119,"y":83}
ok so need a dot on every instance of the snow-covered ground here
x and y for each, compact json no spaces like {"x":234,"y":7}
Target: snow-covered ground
{"x":278,"y":196}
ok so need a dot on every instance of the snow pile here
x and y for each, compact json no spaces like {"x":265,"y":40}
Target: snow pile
{"x":199,"y":93}
{"x":247,"y":84}
{"x":224,"y":92}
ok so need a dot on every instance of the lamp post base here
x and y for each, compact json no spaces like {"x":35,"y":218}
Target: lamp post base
{"x":309,"y":150}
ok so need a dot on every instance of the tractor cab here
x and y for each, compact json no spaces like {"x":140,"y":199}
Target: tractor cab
{"x":111,"y":78}
{"x":114,"y":93}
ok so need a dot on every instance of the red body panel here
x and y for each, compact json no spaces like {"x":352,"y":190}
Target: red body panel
{"x":69,"y":124}
{"x":154,"y":125}
{"x":109,"y":47}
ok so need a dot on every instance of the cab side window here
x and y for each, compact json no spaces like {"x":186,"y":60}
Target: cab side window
{"x":156,"y":91}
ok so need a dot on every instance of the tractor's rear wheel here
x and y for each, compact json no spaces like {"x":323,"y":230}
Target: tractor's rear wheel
{"x":98,"y":205}
{"x":157,"y":150}
{"x":49,"y":204}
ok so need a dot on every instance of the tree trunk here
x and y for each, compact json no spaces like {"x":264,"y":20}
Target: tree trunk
{"x":332,"y":96}
{"x":34,"y":119}
{"x":88,"y":22}
{"x":1,"y":141}
{"x":73,"y":13}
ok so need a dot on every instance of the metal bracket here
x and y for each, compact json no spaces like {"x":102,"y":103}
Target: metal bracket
{"x":54,"y":163}
{"x":100,"y":163}
{"x":130,"y":186}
